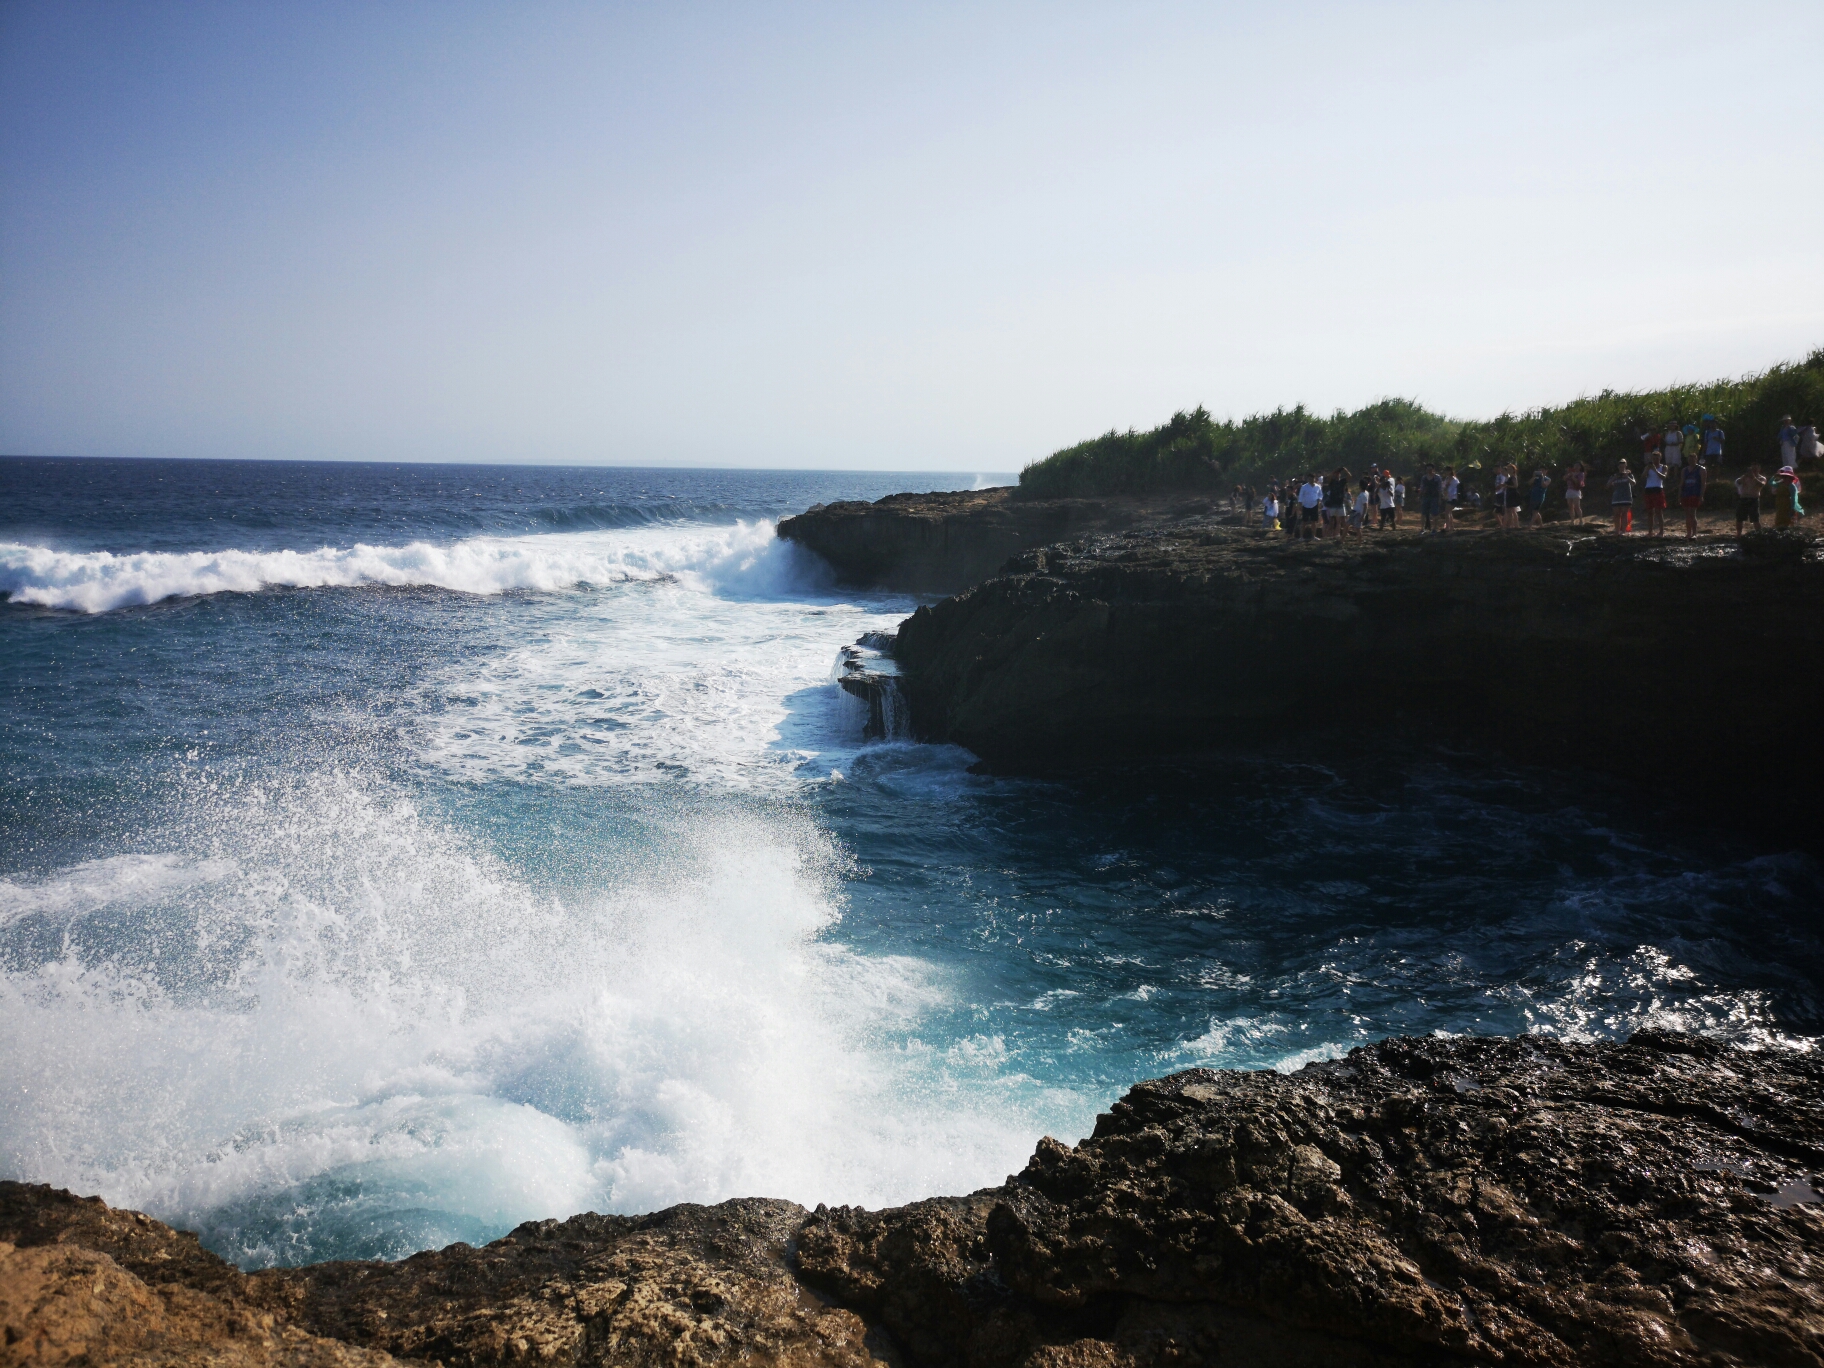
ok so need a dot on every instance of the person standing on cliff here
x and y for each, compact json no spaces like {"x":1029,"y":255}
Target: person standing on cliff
{"x":1673,"y":445}
{"x":1692,"y":482}
{"x":1431,"y":498}
{"x":1269,"y":510}
{"x":1787,"y":509}
{"x":1310,"y":500}
{"x":1452,"y":487}
{"x":1748,"y":487}
{"x":1574,"y":480}
{"x":1789,"y":443}
{"x":1336,"y":502}
{"x":1535,"y":498}
{"x":1655,"y":482}
{"x":1713,"y":440}
{"x":1621,"y":498}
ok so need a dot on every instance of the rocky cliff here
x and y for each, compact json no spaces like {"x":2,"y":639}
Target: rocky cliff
{"x":1558,"y":646}
{"x":1431,"y":1202}
{"x":943,"y":543}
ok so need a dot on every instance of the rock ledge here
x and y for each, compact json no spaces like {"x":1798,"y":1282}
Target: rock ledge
{"x":1420,"y":1201}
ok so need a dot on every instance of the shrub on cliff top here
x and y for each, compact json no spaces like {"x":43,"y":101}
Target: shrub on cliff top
{"x":1181,"y":454}
{"x":1194,"y":451}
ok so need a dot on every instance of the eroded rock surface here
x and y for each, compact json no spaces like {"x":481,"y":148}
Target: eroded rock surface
{"x":942,"y":543}
{"x":82,"y":1284}
{"x":1118,"y":648}
{"x":1461,"y":1201}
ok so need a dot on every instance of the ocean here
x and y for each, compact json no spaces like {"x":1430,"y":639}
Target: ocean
{"x":394,"y":853}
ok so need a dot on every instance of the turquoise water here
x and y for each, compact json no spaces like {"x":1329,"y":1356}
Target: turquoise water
{"x":393,"y":854}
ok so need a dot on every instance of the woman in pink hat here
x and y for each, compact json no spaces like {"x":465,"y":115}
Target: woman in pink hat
{"x":1787,"y":509}
{"x":1786,"y":506}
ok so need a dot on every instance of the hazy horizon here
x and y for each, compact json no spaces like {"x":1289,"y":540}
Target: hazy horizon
{"x":823,"y":238}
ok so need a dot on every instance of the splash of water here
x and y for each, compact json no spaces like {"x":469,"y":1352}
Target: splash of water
{"x":334,"y":1026}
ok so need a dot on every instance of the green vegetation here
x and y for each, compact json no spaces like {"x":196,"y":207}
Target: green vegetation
{"x":1194,"y":451}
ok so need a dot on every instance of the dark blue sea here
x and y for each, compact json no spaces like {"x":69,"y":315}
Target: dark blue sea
{"x":391,"y":854}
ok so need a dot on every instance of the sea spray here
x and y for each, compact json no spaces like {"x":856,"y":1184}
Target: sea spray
{"x":375,"y":1035}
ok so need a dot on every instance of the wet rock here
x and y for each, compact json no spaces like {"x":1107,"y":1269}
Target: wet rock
{"x":1570,"y":1205}
{"x":1420,"y":1201}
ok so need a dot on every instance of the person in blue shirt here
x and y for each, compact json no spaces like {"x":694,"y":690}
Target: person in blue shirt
{"x":1789,"y":442}
{"x":1713,"y":439}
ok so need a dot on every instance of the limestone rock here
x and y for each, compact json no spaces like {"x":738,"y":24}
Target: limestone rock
{"x":942,"y":543}
{"x":82,"y":1284}
{"x":1189,"y":639}
{"x":689,"y":1286}
{"x":1418,"y":1202}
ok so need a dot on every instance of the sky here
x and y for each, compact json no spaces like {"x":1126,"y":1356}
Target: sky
{"x":875,"y":236}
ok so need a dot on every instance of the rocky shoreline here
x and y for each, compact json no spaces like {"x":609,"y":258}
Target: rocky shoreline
{"x":1182,"y":636}
{"x":1420,"y":1201}
{"x":942,"y":543}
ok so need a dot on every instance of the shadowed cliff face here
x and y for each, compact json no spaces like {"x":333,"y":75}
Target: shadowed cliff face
{"x":1421,"y":1201}
{"x":943,"y":543}
{"x":1559,"y":647}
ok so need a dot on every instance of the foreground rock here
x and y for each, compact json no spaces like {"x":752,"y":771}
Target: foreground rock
{"x":1418,"y":1202}
{"x":943,"y":543}
{"x":1572,"y":648}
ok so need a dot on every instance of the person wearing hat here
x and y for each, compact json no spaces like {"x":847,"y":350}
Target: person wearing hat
{"x":1787,"y":509}
{"x":1789,"y":442}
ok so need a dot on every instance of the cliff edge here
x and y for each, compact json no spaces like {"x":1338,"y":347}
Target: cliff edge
{"x":1560,"y":646}
{"x":943,"y":543}
{"x":1419,"y":1201}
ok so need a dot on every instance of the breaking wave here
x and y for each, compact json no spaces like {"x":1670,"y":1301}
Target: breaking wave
{"x":327,"y":1024}
{"x":745,"y":558}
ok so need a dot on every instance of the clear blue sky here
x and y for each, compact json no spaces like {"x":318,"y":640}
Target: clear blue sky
{"x":859,"y":235}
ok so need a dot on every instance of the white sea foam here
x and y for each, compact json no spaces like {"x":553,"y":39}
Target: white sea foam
{"x":715,"y":671}
{"x":371,"y":1016}
{"x":743,"y":558}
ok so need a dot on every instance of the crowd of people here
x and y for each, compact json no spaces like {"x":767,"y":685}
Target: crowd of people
{"x":1675,"y":464}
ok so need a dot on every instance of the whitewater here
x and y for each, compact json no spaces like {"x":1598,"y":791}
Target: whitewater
{"x":398,"y":854}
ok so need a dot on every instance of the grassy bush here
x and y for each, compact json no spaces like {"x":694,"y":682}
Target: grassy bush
{"x":1194,"y":451}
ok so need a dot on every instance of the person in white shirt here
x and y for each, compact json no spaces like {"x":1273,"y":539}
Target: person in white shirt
{"x":1789,"y":442}
{"x":1655,"y":483}
{"x":1452,"y":486}
{"x":1310,"y":501}
{"x":1358,"y":513}
{"x":1673,"y":444}
{"x":1269,"y":513}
